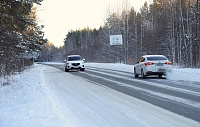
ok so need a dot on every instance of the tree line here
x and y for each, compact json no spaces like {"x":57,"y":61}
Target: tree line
{"x":50,"y":53}
{"x":168,"y":27}
{"x":19,"y":34}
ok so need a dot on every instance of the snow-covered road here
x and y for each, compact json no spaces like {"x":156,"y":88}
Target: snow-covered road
{"x":44,"y":96}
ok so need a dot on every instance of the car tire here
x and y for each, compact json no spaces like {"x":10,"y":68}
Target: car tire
{"x":66,"y":70}
{"x":160,"y":75}
{"x":82,"y":69}
{"x":143,"y":75}
{"x":136,"y":75}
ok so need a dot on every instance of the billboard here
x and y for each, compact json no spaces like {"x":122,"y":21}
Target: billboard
{"x":116,"y":40}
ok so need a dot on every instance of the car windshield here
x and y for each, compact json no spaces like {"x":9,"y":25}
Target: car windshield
{"x":155,"y":58}
{"x":74,"y":58}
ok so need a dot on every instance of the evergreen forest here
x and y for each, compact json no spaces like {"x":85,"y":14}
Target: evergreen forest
{"x":168,"y":27}
{"x":19,"y":35}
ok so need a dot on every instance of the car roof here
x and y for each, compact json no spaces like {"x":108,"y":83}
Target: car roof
{"x":153,"y":55}
{"x":74,"y":56}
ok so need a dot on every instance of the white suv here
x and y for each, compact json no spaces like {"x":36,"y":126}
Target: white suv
{"x":74,"y":62}
{"x":152,"y":65}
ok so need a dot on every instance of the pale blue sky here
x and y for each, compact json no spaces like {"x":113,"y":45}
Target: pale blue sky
{"x":60,"y":16}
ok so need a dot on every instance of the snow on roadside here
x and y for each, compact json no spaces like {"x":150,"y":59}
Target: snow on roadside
{"x":117,"y":66}
{"x":185,"y":74}
{"x":25,"y":102}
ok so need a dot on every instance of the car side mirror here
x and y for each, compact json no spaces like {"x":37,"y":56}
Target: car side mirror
{"x":83,"y":59}
{"x":65,"y":60}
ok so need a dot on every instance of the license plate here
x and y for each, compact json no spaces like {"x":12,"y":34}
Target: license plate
{"x":161,"y":70}
{"x":159,"y":64}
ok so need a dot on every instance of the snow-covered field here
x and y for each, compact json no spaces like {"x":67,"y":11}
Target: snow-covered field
{"x":32,"y":101}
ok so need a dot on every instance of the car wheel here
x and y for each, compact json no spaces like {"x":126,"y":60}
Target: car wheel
{"x":143,"y":75}
{"x":136,"y":75}
{"x":160,"y":75}
{"x":66,"y":70}
{"x":82,"y":69}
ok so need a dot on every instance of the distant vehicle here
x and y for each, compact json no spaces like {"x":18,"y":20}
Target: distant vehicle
{"x":152,"y":65}
{"x":74,"y":62}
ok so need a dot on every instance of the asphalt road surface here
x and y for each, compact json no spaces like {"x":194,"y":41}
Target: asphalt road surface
{"x":180,"y":97}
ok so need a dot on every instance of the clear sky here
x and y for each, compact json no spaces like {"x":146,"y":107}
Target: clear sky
{"x":61,"y":16}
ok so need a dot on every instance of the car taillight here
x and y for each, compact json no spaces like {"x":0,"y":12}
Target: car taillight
{"x":168,"y":63}
{"x":149,"y":63}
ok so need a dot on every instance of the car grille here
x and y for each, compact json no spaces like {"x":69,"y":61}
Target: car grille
{"x":75,"y":64}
